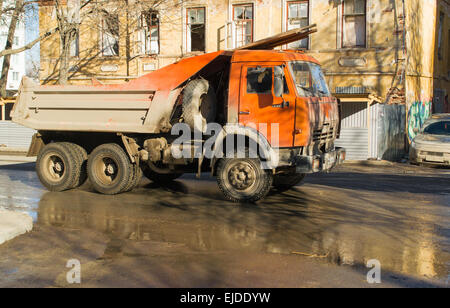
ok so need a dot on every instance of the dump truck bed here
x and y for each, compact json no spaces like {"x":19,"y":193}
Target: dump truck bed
{"x":143,"y":105}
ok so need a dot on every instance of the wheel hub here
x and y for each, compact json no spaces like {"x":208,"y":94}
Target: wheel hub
{"x":55,"y":167}
{"x":110,"y":169}
{"x":58,"y":167}
{"x":242,"y":176}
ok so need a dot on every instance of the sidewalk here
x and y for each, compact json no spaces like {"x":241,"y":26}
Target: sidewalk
{"x":369,"y":163}
{"x":13,"y":151}
{"x":15,"y":158}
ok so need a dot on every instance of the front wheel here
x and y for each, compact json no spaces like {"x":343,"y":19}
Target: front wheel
{"x":243,"y":180}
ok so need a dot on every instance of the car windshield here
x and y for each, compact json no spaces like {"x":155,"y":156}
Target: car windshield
{"x":438,"y":128}
{"x":309,"y":79}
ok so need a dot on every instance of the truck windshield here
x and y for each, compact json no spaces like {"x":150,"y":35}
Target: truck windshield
{"x":439,"y":128}
{"x":309,"y":79}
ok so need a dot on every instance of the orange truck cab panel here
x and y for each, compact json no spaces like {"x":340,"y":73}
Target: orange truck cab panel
{"x":306,"y":113}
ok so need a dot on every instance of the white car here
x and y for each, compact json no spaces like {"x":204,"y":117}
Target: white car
{"x":432,"y":144}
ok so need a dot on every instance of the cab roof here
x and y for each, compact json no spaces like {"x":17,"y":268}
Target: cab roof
{"x":270,"y":56}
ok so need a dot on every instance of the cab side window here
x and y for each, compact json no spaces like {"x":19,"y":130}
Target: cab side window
{"x":259,"y":80}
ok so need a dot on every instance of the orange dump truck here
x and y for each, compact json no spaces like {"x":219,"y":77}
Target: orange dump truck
{"x":255,"y":118}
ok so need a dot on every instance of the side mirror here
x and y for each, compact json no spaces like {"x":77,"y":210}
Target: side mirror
{"x":278,"y":85}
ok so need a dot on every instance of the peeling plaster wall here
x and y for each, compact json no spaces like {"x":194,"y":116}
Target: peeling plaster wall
{"x":377,"y":65}
{"x":420,"y":38}
{"x":441,"y":93}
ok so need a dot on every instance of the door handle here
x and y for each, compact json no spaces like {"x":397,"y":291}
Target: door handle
{"x":282,"y":105}
{"x":244,"y":112}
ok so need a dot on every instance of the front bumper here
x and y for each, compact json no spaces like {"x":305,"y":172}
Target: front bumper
{"x":421,"y":155}
{"x":320,"y":163}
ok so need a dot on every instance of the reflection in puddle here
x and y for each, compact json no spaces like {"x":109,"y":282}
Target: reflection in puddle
{"x":308,"y":226}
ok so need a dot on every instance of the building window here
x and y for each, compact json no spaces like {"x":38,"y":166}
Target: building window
{"x":196,"y":29}
{"x":15,"y":76}
{"x":440,"y":33}
{"x":298,"y":17}
{"x":5,"y":111}
{"x":16,"y":40}
{"x":110,"y":34}
{"x":243,"y":19}
{"x":448,"y":54}
{"x":354,"y":23}
{"x":74,"y":49}
{"x":149,"y":33}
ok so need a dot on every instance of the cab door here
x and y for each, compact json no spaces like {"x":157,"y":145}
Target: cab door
{"x":260,"y":108}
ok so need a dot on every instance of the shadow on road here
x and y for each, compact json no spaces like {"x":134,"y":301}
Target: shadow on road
{"x":384,"y":182}
{"x":19,"y":167}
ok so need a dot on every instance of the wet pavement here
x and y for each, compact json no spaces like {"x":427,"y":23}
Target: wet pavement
{"x":319,"y":234}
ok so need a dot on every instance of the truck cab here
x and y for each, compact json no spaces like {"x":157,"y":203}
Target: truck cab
{"x":287,"y":92}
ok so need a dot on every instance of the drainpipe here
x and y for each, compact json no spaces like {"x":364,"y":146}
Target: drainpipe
{"x":405,"y":48}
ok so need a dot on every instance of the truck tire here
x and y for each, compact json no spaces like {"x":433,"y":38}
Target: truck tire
{"x":58,"y":168}
{"x":109,"y":169}
{"x":283,"y":182}
{"x":82,"y":157}
{"x":135,"y":178}
{"x":243,"y":180}
{"x":199,"y":104}
{"x":160,"y":178}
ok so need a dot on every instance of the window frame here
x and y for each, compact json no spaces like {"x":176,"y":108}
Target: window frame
{"x":343,"y":22}
{"x":77,"y":45}
{"x":440,"y":41}
{"x":188,"y":27}
{"x":308,"y":18}
{"x":3,"y":109}
{"x":271,"y":68}
{"x":252,"y":21}
{"x":102,"y":33}
{"x":147,"y":30}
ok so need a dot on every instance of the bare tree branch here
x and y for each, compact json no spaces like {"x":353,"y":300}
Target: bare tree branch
{"x":27,"y":46}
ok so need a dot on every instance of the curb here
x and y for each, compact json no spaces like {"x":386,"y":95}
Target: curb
{"x":369,"y":163}
{"x":16,"y":158}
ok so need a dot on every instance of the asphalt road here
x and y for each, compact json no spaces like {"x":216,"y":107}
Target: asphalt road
{"x":319,"y":234}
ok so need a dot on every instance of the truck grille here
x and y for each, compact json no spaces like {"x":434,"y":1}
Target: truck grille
{"x":323,"y":135}
{"x":437,"y":154}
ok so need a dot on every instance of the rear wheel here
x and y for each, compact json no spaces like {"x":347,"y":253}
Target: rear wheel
{"x":136,"y":177}
{"x":243,"y":180}
{"x":109,"y":169}
{"x":58,"y":167}
{"x":81,"y":155}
